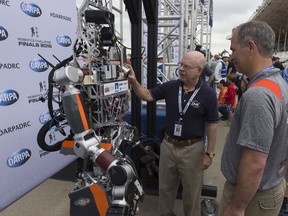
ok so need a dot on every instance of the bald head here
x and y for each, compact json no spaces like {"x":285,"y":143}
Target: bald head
{"x":195,"y":58}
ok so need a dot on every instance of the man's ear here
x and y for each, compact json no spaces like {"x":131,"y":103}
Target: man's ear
{"x":252,"y":46}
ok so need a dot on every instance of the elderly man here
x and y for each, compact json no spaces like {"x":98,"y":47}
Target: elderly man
{"x":191,"y":108}
{"x":254,"y":159}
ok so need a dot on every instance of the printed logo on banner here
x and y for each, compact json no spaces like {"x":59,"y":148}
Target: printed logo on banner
{"x":42,"y":97}
{"x":44,"y":117}
{"x":14,"y":128}
{"x":38,"y":65}
{"x":3,"y":33}
{"x":30,"y":42}
{"x":7,"y":66}
{"x":34,"y":32}
{"x":59,"y":16}
{"x":5,"y":3}
{"x":19,"y":158}
{"x":31,"y":9}
{"x":27,"y":42}
{"x":42,"y":86}
{"x":8,"y":97}
{"x":37,"y":98}
{"x":64,"y":40}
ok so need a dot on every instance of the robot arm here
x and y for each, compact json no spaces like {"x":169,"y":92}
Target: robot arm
{"x":88,"y":145}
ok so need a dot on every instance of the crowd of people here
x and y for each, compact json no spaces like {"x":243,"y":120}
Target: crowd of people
{"x":226,"y":75}
{"x":254,"y":158}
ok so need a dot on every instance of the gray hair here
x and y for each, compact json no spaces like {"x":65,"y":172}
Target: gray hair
{"x":259,"y":32}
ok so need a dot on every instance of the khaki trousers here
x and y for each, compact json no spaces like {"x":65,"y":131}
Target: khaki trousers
{"x":264,"y":203}
{"x":185,"y":164}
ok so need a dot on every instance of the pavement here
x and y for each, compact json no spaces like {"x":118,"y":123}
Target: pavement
{"x":51,"y":197}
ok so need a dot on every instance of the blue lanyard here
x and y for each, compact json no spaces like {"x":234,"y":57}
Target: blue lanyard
{"x":260,"y":73}
{"x":182,"y":112}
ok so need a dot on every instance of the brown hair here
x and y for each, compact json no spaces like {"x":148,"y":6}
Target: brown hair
{"x":232,"y":77}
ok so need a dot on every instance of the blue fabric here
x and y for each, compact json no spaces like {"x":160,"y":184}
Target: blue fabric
{"x":223,"y":70}
{"x":285,"y":75}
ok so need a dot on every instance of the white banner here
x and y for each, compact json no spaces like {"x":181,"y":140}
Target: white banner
{"x":29,"y":28}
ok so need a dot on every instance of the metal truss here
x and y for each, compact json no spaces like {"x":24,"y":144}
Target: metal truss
{"x":182,"y":24}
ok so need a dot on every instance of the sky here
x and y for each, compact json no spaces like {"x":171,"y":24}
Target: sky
{"x":227,"y":15}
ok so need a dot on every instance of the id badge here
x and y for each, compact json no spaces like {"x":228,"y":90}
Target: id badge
{"x":178,"y":129}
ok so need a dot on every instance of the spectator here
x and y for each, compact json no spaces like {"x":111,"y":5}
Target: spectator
{"x":221,"y":67}
{"x":207,"y":72}
{"x":231,"y":69}
{"x":191,"y":107}
{"x":221,"y":85}
{"x":230,"y":98}
{"x":213,"y":65}
{"x":214,"y":62}
{"x":254,"y":159}
{"x":285,"y":75}
{"x":276,"y":63}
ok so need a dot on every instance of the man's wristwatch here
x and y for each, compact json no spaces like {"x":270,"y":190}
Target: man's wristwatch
{"x":211,"y":155}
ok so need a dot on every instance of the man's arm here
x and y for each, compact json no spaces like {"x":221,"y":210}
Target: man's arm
{"x":229,"y":70}
{"x":211,"y":131}
{"x":250,"y":172}
{"x":140,"y":91}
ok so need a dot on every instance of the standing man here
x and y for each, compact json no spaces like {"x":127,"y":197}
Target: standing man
{"x":254,"y":160}
{"x":221,"y":67}
{"x":191,"y":107}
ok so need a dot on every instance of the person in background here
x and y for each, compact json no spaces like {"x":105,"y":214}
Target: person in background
{"x":276,"y":63}
{"x":285,"y":74}
{"x":244,"y":83}
{"x":254,"y":158}
{"x":208,"y":74}
{"x":221,"y":67}
{"x":213,"y":64}
{"x":229,"y":106}
{"x":191,"y":109}
{"x":231,"y":69}
{"x":222,"y":86}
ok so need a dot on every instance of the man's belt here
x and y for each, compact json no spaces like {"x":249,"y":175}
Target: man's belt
{"x":181,"y":143}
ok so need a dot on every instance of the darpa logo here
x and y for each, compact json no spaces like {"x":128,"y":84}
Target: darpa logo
{"x":45,"y":117}
{"x":8,"y":97}
{"x":31,"y":9}
{"x":38,"y":65}
{"x":3,"y":33}
{"x":19,"y":158}
{"x":64,"y":40}
{"x":195,"y":104}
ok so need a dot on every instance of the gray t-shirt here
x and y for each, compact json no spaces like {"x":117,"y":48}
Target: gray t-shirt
{"x":259,"y":123}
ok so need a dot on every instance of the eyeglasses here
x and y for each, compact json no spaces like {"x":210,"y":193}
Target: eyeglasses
{"x":186,"y":67}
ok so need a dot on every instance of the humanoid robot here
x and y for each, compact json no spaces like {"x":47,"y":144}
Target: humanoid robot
{"x":93,"y":99}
